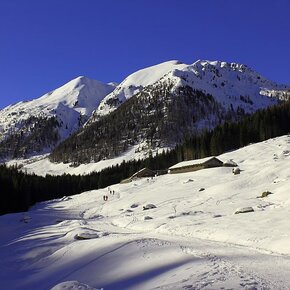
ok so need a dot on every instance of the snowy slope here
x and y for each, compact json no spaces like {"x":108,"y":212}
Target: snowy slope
{"x":236,"y":89}
{"x":162,"y":105}
{"x":191,"y":240}
{"x":134,"y":83}
{"x":41,"y":165}
{"x":71,"y":104}
{"x":225,"y":81}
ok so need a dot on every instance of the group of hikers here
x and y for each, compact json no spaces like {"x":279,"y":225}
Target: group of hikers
{"x":112,"y":192}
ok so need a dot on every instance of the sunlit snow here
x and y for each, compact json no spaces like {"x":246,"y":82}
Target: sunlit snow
{"x":191,"y":240}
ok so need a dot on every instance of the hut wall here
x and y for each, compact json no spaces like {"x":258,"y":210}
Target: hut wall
{"x":213,"y":163}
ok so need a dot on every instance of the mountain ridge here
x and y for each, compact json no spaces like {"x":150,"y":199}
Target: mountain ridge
{"x":170,"y":96}
{"x":175,"y":68}
{"x":160,"y":113}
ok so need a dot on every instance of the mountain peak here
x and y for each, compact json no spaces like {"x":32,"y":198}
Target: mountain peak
{"x":219,"y":78}
{"x":221,"y":64}
{"x":224,"y":88}
{"x":61,"y":111}
{"x":83,"y":80}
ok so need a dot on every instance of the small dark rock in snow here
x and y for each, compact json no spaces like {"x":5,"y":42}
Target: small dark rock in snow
{"x":202,"y":189}
{"x":217,"y":215}
{"x":244,"y":210}
{"x":188,"y":180}
{"x":266,"y":193}
{"x":172,"y":217}
{"x":86,"y":236}
{"x":147,"y":218}
{"x":97,"y":216}
{"x":129,"y":210}
{"x":149,"y":206}
{"x":236,"y":171}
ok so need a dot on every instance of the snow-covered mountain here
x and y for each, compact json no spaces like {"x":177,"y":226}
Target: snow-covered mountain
{"x":134,"y":83}
{"x":225,"y":81}
{"x":191,"y":240}
{"x":158,"y":107}
{"x":38,"y":125}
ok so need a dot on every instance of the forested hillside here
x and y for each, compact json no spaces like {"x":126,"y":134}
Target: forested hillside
{"x":154,"y":108}
{"x":19,"y":191}
{"x":38,"y":134}
{"x":154,"y":118}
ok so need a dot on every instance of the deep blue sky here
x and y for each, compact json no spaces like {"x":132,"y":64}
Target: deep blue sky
{"x":44,"y":44}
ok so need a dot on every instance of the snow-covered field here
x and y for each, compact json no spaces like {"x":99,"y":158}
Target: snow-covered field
{"x":191,"y":240}
{"x":41,"y":165}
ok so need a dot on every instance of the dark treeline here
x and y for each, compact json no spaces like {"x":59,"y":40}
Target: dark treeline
{"x":18,"y":190}
{"x":262,"y":125}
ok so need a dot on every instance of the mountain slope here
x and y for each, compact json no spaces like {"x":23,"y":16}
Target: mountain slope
{"x":133,"y":84}
{"x":191,"y":240}
{"x":168,"y":103}
{"x":37,"y":126}
{"x":221,"y":79}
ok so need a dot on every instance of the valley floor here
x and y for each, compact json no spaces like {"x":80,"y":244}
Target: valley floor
{"x":191,"y":240}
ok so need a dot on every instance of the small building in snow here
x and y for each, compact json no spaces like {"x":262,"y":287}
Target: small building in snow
{"x":230,"y":163}
{"x":144,"y":172}
{"x":193,"y":165}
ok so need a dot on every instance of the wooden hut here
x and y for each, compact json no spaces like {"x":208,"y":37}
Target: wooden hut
{"x":193,"y":165}
{"x":144,"y":172}
{"x":230,"y":163}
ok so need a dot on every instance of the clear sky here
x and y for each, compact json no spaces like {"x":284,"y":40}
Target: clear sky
{"x":46,"y":43}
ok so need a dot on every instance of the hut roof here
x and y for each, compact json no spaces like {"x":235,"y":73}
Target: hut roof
{"x":147,"y":170}
{"x":230,"y":163}
{"x":192,"y":162}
